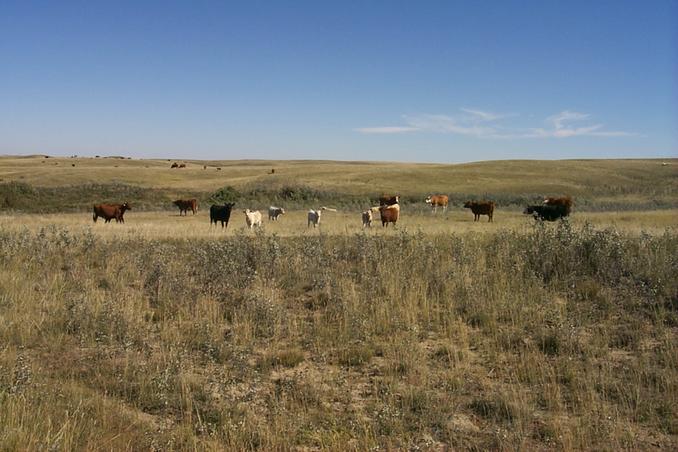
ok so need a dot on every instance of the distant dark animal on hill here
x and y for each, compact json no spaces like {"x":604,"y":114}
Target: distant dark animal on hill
{"x":389,"y":200}
{"x":183,"y":165}
{"x":389,"y":214}
{"x":174,"y":165}
{"x":565,"y":201}
{"x":73,"y":165}
{"x":481,"y":208}
{"x":204,"y":167}
{"x":110,"y":211}
{"x":218,"y":168}
{"x":437,"y":201}
{"x":547,"y":212}
{"x":185,"y":205}
{"x":221,"y":213}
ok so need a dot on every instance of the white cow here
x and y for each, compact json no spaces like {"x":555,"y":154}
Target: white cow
{"x":314,"y":216}
{"x":367,"y":216}
{"x":252,"y":218}
{"x":274,"y":212}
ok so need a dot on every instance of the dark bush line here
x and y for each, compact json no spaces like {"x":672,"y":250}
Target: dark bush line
{"x":22,"y":197}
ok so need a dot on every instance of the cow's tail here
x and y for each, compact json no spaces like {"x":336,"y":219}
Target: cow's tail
{"x":94,"y":214}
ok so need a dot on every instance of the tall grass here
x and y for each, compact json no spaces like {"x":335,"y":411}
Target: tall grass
{"x":560,"y":337}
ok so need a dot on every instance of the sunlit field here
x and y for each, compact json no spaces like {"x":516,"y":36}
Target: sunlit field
{"x":167,"y":224}
{"x":168,"y":333}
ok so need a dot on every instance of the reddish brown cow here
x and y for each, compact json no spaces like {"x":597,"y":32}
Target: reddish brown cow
{"x":183,"y":165}
{"x":185,"y":205}
{"x":437,"y":201}
{"x":110,"y":211}
{"x":566,"y":201}
{"x":481,"y":208}
{"x":389,"y":214}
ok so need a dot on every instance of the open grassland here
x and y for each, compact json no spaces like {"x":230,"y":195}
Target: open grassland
{"x":558,"y":336}
{"x":163,"y":225}
{"x":38,"y":184}
{"x":165,"y":333}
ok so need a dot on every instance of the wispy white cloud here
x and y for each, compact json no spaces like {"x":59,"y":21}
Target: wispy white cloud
{"x":483,"y":115}
{"x":483,"y":124}
{"x":447,"y":124}
{"x":562,"y":127}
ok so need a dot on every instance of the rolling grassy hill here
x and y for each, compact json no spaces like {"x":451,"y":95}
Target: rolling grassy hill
{"x":39,"y":183}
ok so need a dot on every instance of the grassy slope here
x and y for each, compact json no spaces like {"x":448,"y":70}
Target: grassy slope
{"x":578,"y":177}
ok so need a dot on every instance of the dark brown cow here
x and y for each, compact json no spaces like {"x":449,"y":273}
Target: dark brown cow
{"x":174,"y":165}
{"x":481,"y":208}
{"x":185,"y":205}
{"x":566,"y":201}
{"x":183,"y":165}
{"x":388,"y":200}
{"x":110,"y":211}
{"x":389,"y":214}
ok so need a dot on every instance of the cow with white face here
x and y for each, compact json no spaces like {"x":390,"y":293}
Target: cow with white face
{"x":275,"y":212}
{"x":437,"y":201}
{"x":368,"y":215}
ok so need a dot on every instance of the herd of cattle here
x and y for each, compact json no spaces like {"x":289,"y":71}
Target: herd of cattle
{"x":552,"y":209}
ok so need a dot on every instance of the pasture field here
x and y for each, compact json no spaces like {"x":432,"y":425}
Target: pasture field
{"x":167,"y":224}
{"x":576,"y":177}
{"x":71,"y":184}
{"x":167,"y":334}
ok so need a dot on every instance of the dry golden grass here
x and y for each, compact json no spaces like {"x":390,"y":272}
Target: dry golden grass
{"x":168,"y":334}
{"x":160,"y":225}
{"x":559,"y":337}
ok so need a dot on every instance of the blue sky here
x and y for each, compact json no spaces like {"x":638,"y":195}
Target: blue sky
{"x":370,"y":80}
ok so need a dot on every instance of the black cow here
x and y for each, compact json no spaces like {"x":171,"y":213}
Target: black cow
{"x":547,"y":212}
{"x":221,"y":213}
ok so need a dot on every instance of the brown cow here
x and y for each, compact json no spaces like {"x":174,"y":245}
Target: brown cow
{"x":388,"y":200}
{"x":481,"y":208}
{"x":183,"y":165}
{"x":174,"y":165}
{"x":389,"y":214}
{"x":566,"y":201}
{"x":437,"y":201}
{"x":185,"y":204}
{"x":110,"y":211}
